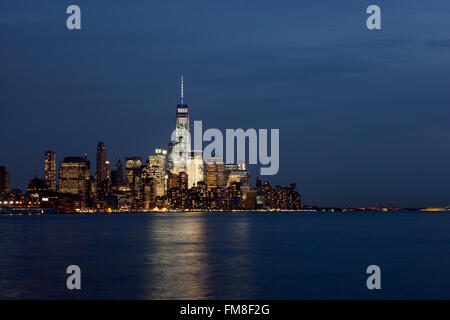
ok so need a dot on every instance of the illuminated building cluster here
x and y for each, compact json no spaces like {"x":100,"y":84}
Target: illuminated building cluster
{"x":172,"y":179}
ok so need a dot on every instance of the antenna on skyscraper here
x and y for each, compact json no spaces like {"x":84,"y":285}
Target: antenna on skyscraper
{"x":182,"y":93}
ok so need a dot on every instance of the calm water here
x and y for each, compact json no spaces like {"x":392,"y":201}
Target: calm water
{"x":226,"y":256}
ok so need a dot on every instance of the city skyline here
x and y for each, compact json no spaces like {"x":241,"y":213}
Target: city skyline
{"x":358,"y":124}
{"x":179,"y":179}
{"x":102,"y":168}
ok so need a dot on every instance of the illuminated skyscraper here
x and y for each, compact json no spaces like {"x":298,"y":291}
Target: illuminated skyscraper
{"x":215,"y":174}
{"x":195,"y":168}
{"x":180,"y":144}
{"x":156,"y":169}
{"x":74,"y":177}
{"x":132,"y":168}
{"x":182,"y":181}
{"x":133,"y":175}
{"x":50,"y":170}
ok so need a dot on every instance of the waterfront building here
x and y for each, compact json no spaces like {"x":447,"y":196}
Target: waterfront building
{"x":74,"y":178}
{"x":278,"y":197}
{"x":250,"y":200}
{"x":50,"y":170}
{"x":37,"y":185}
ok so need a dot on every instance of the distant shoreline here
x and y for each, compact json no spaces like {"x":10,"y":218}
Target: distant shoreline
{"x":53,"y":211}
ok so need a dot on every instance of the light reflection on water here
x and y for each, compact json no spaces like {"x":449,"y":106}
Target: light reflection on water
{"x":225,"y":256}
{"x":179,"y":260}
{"x":184,"y":262}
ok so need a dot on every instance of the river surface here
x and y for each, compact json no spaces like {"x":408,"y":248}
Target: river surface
{"x":226,"y":255}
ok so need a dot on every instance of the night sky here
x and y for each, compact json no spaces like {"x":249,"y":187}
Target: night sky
{"x":363,"y":115}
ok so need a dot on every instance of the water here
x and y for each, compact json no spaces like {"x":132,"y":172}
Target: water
{"x":226,"y":255}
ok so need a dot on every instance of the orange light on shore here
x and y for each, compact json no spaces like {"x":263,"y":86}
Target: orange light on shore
{"x":163,"y":209}
{"x":433,"y":209}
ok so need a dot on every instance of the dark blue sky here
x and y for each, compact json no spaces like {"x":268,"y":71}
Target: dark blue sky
{"x":363,"y":115}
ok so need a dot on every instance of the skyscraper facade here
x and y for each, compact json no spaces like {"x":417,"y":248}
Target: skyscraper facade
{"x":50,"y":170}
{"x":156,"y":169}
{"x":238,"y":173}
{"x":4,"y":181}
{"x":101,"y":162}
{"x":132,"y":169}
{"x":108,"y":170}
{"x":215,"y":173}
{"x":180,"y":144}
{"x":117,"y":175}
{"x":195,"y":168}
{"x":74,"y":178}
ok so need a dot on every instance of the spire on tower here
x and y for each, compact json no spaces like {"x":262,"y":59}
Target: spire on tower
{"x":182,"y":93}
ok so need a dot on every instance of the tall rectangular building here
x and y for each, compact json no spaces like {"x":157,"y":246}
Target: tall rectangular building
{"x":215,"y":174}
{"x":117,"y":175}
{"x":4,"y":181}
{"x":101,"y":162}
{"x":195,"y":168}
{"x":156,"y":169}
{"x":74,"y":177}
{"x":133,"y":166}
{"x":50,"y":170}
{"x":132,"y":169}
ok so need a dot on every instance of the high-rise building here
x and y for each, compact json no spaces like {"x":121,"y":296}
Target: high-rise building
{"x":117,"y":175}
{"x":132,"y":169}
{"x":108,"y":170}
{"x":4,"y":181}
{"x":195,"y":168}
{"x":238,"y":173}
{"x":182,"y":181}
{"x":156,"y":169}
{"x":250,"y":200}
{"x":50,"y":170}
{"x":172,"y":180}
{"x":180,"y":144}
{"x":74,"y":178}
{"x":149,"y":197}
{"x":215,"y":173}
{"x":101,"y":162}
